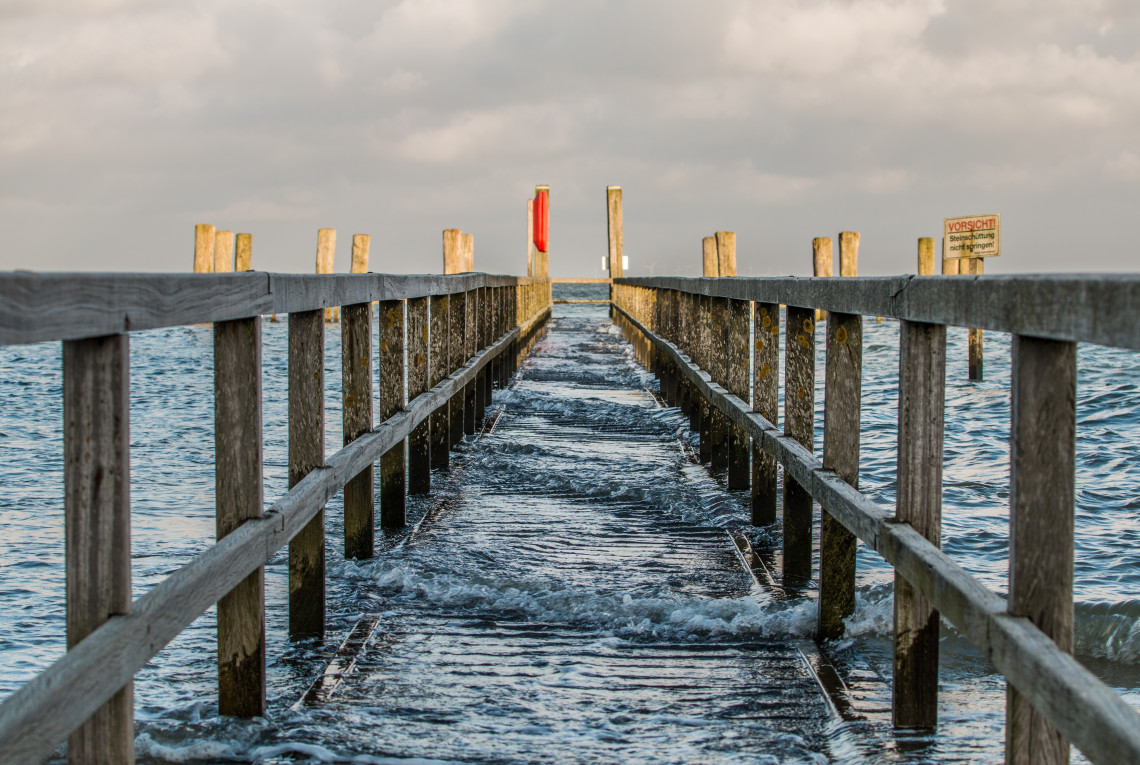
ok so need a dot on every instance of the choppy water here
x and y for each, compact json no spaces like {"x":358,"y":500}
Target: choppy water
{"x":452,"y":567}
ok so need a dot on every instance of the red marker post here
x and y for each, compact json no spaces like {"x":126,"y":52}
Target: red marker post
{"x":542,"y":229}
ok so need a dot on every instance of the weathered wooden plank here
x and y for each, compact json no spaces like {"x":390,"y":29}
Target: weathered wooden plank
{"x":204,"y":248}
{"x":470,"y":345}
{"x":390,"y":361}
{"x":737,"y":383}
{"x":799,"y":423}
{"x":922,"y":395}
{"x":614,"y":231}
{"x":457,"y":333}
{"x":419,"y":449}
{"x":484,"y":381}
{"x":33,"y":719}
{"x":356,"y":390}
{"x":709,"y":262}
{"x":97,"y":525}
{"x":438,"y":369}
{"x":223,"y":252}
{"x":765,"y":400}
{"x":842,"y":398}
{"x":239,"y":497}
{"x":1042,"y":485}
{"x":726,"y":252}
{"x":925,"y":256}
{"x":307,"y":453}
{"x":704,"y":346}
{"x":326,"y":254}
{"x":1104,"y":726}
{"x":243,"y":256}
{"x":976,"y":366}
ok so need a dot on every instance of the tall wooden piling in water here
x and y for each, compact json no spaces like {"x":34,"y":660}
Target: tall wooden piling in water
{"x":799,"y":424}
{"x":243,"y":256}
{"x":437,"y":370}
{"x":419,"y":449}
{"x":390,"y":361}
{"x":326,"y":254}
{"x":223,"y":252}
{"x":765,"y":400}
{"x":356,"y":376}
{"x":204,"y":234}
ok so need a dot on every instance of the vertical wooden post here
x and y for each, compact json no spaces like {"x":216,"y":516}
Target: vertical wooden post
{"x":925,"y":256}
{"x":238,"y":498}
{"x":718,"y":368}
{"x":710,"y":262}
{"x":468,"y":253}
{"x":437,"y":371}
{"x":470,"y":348}
{"x":390,"y":361}
{"x":306,"y":453}
{"x":976,"y":267}
{"x":799,"y":423}
{"x":326,"y":254}
{"x":822,"y":263}
{"x":848,"y":253}
{"x":204,"y":248}
{"x":223,"y":252}
{"x":950,"y":267}
{"x":1042,"y":484}
{"x":356,"y":377}
{"x":530,"y":270}
{"x":843,"y":386}
{"x":483,"y":387}
{"x":361,"y":243}
{"x":614,"y":233}
{"x":705,"y":345}
{"x":726,"y":253}
{"x":243,"y":258}
{"x":419,"y":451}
{"x":456,"y":346}
{"x":740,"y":312}
{"x":692,"y":349}
{"x":451,"y":254}
{"x":765,"y":400}
{"x":922,"y":396}
{"x":97,"y":522}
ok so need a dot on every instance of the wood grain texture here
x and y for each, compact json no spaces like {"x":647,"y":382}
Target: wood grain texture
{"x":390,"y":361}
{"x":439,"y":369}
{"x":822,"y":256}
{"x":306,"y":454}
{"x":1042,"y":485}
{"x":223,"y":252}
{"x":799,"y":423}
{"x":765,"y":401}
{"x":470,"y":345}
{"x":841,"y":415}
{"x":457,"y":333}
{"x":451,"y":251}
{"x":614,"y":231}
{"x":848,"y":253}
{"x":1102,"y":724}
{"x":239,"y":497}
{"x":204,"y":248}
{"x":356,"y":420}
{"x":922,"y":395}
{"x":925,"y":256}
{"x":243,"y":256}
{"x":97,"y":524}
{"x":485,"y":338}
{"x":530,"y":271}
{"x":361,"y":243}
{"x":737,"y":383}
{"x":709,"y":261}
{"x":704,"y":346}
{"x":419,"y":450}
{"x":976,"y":365}
{"x":726,"y":252}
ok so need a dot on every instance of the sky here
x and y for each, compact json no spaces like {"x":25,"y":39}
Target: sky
{"x":126,"y":122}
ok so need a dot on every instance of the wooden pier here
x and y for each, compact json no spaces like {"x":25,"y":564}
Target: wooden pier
{"x":713,"y":342}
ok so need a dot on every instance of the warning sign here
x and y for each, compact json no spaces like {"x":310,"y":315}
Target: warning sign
{"x":978,"y":236}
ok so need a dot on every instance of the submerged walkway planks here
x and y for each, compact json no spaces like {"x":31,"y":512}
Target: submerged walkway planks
{"x":569,"y":600}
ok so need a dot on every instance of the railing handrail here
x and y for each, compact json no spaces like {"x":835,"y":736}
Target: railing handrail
{"x":42,"y":307}
{"x":1087,"y":308}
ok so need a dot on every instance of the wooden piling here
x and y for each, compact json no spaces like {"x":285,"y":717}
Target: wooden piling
{"x":726,"y":253}
{"x":451,"y":253}
{"x":204,"y":234}
{"x":483,"y":382}
{"x":975,"y":267}
{"x":848,"y":253}
{"x":97,"y":522}
{"x":530,"y":270}
{"x":223,"y":252}
{"x":710,"y":262}
{"x":390,"y":360}
{"x":361,"y":243}
{"x":842,"y":397}
{"x":823,"y":264}
{"x":614,"y":232}
{"x":457,"y":333}
{"x":765,"y":400}
{"x":799,"y":423}
{"x":243,"y":257}
{"x":419,"y":450}
{"x":470,"y":330}
{"x":306,"y":453}
{"x":437,"y":371}
{"x":704,"y":342}
{"x":468,"y":247}
{"x":922,"y":396}
{"x":1042,"y":485}
{"x":326,"y":255}
{"x":925,"y":256}
{"x":740,"y":313}
{"x":239,"y":497}
{"x":356,"y":376}
{"x":950,"y":267}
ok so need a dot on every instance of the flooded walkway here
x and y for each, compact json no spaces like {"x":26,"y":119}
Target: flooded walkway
{"x":573,"y":598}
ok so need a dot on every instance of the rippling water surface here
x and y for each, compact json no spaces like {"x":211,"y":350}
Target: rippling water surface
{"x":481,"y":598}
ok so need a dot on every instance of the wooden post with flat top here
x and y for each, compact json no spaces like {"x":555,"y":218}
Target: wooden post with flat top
{"x":709,"y":260}
{"x":842,"y":396}
{"x":848,"y":253}
{"x":437,"y":370}
{"x":614,"y":233}
{"x":726,"y":253}
{"x":243,"y":256}
{"x":356,"y":376}
{"x":306,"y":453}
{"x":390,"y":361}
{"x":922,"y":397}
{"x":326,"y":252}
{"x":799,"y":423}
{"x":925,"y":256}
{"x":419,"y":450}
{"x":204,"y":234}
{"x":737,"y":383}
{"x":530,"y":270}
{"x":457,"y":334}
{"x":765,"y":401}
{"x":97,"y":522}
{"x":239,"y":497}
{"x":822,"y":264}
{"x":223,"y":252}
{"x":1042,"y":489}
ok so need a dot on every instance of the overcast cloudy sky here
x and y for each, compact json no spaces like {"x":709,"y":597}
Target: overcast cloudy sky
{"x":125,"y":122}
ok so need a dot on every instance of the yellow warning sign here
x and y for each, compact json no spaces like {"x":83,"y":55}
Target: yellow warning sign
{"x":976,"y":236}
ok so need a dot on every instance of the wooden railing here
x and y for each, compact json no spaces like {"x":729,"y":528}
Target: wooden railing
{"x":697,"y":333}
{"x":451,"y":338}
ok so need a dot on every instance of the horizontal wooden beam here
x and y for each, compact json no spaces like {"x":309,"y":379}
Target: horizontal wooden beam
{"x":70,"y":306}
{"x":1098,"y":308}
{"x":1086,"y":711}
{"x":39,"y":715}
